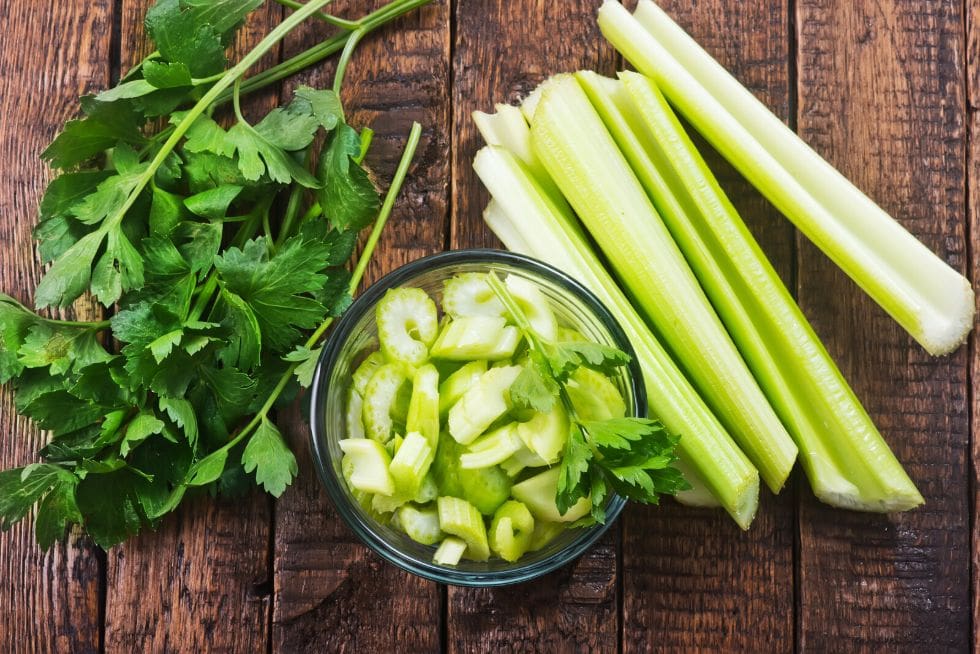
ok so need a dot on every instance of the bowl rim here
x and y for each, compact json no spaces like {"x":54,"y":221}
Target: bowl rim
{"x":329,"y":357}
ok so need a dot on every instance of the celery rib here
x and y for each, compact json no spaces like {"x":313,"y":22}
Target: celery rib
{"x":846,"y":459}
{"x":929,"y":299}
{"x":548,"y":232}
{"x":578,"y":152}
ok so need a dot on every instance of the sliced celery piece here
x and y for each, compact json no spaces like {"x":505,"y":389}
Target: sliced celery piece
{"x":491,"y":449}
{"x":353,"y":419}
{"x":521,"y":459}
{"x":411,"y":463}
{"x":485,"y":488}
{"x":423,"y":408}
{"x":460,"y":518}
{"x":538,"y":493}
{"x":458,"y":383}
{"x":450,"y":551}
{"x":546,"y":433}
{"x":384,"y":504}
{"x":594,"y":396}
{"x":569,"y":137}
{"x":407,"y":323}
{"x":846,"y":459}
{"x":380,"y":398}
{"x":481,"y":404}
{"x":366,"y":370}
{"x":429,"y":489}
{"x":468,"y":294}
{"x":558,"y":240}
{"x":930,"y":300}
{"x":421,"y":524}
{"x":476,"y":337}
{"x":369,"y":462}
{"x":535,"y":305}
{"x":544,"y":533}
{"x":511,"y":531}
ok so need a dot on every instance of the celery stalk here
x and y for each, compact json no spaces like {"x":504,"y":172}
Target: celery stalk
{"x":559,"y":241}
{"x":582,"y":158}
{"x":930,"y":300}
{"x":846,"y":459}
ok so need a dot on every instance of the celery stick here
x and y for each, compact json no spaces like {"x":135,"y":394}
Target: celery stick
{"x":568,"y":136}
{"x":847,"y":461}
{"x":500,"y":224}
{"x":930,"y":300}
{"x":704,"y":444}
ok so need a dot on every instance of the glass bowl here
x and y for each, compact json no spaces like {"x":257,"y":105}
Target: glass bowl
{"x":356,"y":335}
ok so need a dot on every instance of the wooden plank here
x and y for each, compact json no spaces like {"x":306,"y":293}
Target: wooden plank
{"x":501,"y":52}
{"x":49,"y":601}
{"x":331,"y":592}
{"x":881,"y":95}
{"x":973,"y":227}
{"x":693,"y":580}
{"x":202,"y":581}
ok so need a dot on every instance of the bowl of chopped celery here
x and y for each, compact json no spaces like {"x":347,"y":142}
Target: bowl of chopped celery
{"x":441,"y":412}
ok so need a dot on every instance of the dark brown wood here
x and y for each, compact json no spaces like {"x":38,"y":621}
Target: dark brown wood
{"x":202,"y":581}
{"x":692,"y":579}
{"x":49,"y":601}
{"x":331,"y":592}
{"x":882,"y":96}
{"x":973,"y":227}
{"x":501,"y":52}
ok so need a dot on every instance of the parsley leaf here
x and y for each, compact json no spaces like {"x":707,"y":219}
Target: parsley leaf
{"x":346,"y":193}
{"x":270,"y":458}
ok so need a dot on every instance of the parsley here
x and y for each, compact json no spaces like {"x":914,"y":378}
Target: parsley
{"x":629,"y":456}
{"x":224,"y":249}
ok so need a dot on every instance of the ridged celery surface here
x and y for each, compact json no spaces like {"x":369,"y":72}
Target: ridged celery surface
{"x":846,"y":459}
{"x":569,"y":138}
{"x":528,"y":220}
{"x":933,"y":302}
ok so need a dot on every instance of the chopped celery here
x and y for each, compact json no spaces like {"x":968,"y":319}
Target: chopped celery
{"x":421,"y":524}
{"x":485,"y":488}
{"x":476,"y":337}
{"x":458,"y":383}
{"x":469,"y":295}
{"x":353,"y":420}
{"x":846,"y":459}
{"x":491,"y":449}
{"x":366,"y":370}
{"x":570,"y":139}
{"x":546,"y":433}
{"x":407,"y":323}
{"x":534,"y":304}
{"x":511,"y":531}
{"x":559,"y":241}
{"x":481,"y":404}
{"x":521,"y":459}
{"x":411,"y":463}
{"x":449,"y":552}
{"x":368,"y":465}
{"x":423,"y":408}
{"x":538,"y":493}
{"x":429,"y":490}
{"x":594,"y":396}
{"x":383,"y":504}
{"x":569,"y":335}
{"x":544,"y":533}
{"x":445,"y":467}
{"x":379,"y":399}
{"x":933,"y":302}
{"x":460,"y":518}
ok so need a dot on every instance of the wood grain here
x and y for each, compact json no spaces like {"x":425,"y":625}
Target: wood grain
{"x":202,"y":582}
{"x":501,"y":52}
{"x":692,"y":579}
{"x":331,"y":592}
{"x":973,"y":229}
{"x":881,"y":95}
{"x":49,"y":601}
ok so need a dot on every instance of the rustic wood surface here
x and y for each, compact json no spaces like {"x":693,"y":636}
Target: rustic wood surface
{"x":887,"y":91}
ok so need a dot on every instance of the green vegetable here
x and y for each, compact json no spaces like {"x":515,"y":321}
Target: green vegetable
{"x":407,"y":325}
{"x":476,"y":337}
{"x":221,"y":295}
{"x":846,"y":459}
{"x":491,"y":449}
{"x":460,"y":518}
{"x":933,"y":302}
{"x":452,"y":389}
{"x":511,"y":531}
{"x":481,"y":404}
{"x":411,"y":463}
{"x":421,"y":525}
{"x":568,"y":136}
{"x":450,"y":551}
{"x":705,"y":445}
{"x":380,"y":398}
{"x":369,"y":463}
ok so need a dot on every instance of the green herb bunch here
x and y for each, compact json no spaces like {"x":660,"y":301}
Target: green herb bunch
{"x":629,"y":456}
{"x":223,"y":251}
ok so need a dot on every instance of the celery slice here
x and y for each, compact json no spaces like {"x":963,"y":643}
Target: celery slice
{"x":469,"y":294}
{"x":491,"y":449}
{"x":380,"y":398}
{"x":355,"y":407}
{"x":423,"y":408}
{"x":450,"y":551}
{"x":538,"y":494}
{"x":535,"y":305}
{"x":569,"y":137}
{"x":545,"y":434}
{"x":369,"y":462}
{"x":594,"y":396}
{"x":407,"y":322}
{"x":420,"y":524}
{"x":558,"y":240}
{"x":521,"y":459}
{"x":847,"y":461}
{"x":460,"y":518}
{"x":511,"y":531}
{"x":366,"y":370}
{"x":481,"y":404}
{"x":458,"y":383}
{"x":930,"y":300}
{"x":544,"y":533}
{"x":476,"y":337}
{"x":411,"y":463}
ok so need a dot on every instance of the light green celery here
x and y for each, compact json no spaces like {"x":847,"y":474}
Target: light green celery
{"x":847,"y":461}
{"x":933,"y":302}
{"x":550,"y":233}
{"x":569,"y":137}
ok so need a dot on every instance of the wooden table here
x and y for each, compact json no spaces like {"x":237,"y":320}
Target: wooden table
{"x":886,"y":90}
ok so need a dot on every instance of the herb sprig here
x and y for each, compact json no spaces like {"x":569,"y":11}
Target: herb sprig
{"x":629,"y":456}
{"x":224,"y":252}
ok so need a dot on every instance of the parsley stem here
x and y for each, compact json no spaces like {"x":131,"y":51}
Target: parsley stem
{"x":95,"y":325}
{"x":338,"y":77}
{"x":292,"y":206}
{"x":330,"y":19}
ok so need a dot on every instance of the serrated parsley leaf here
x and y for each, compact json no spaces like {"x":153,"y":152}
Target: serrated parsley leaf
{"x":346,"y":193}
{"x":270,"y":458}
{"x":565,"y":358}
{"x":306,"y":358}
{"x":106,"y":124}
{"x":183,"y":35}
{"x":573,"y":479}
{"x":535,"y":388}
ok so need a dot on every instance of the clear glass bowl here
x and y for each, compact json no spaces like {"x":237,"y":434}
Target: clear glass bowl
{"x":356,"y":335}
